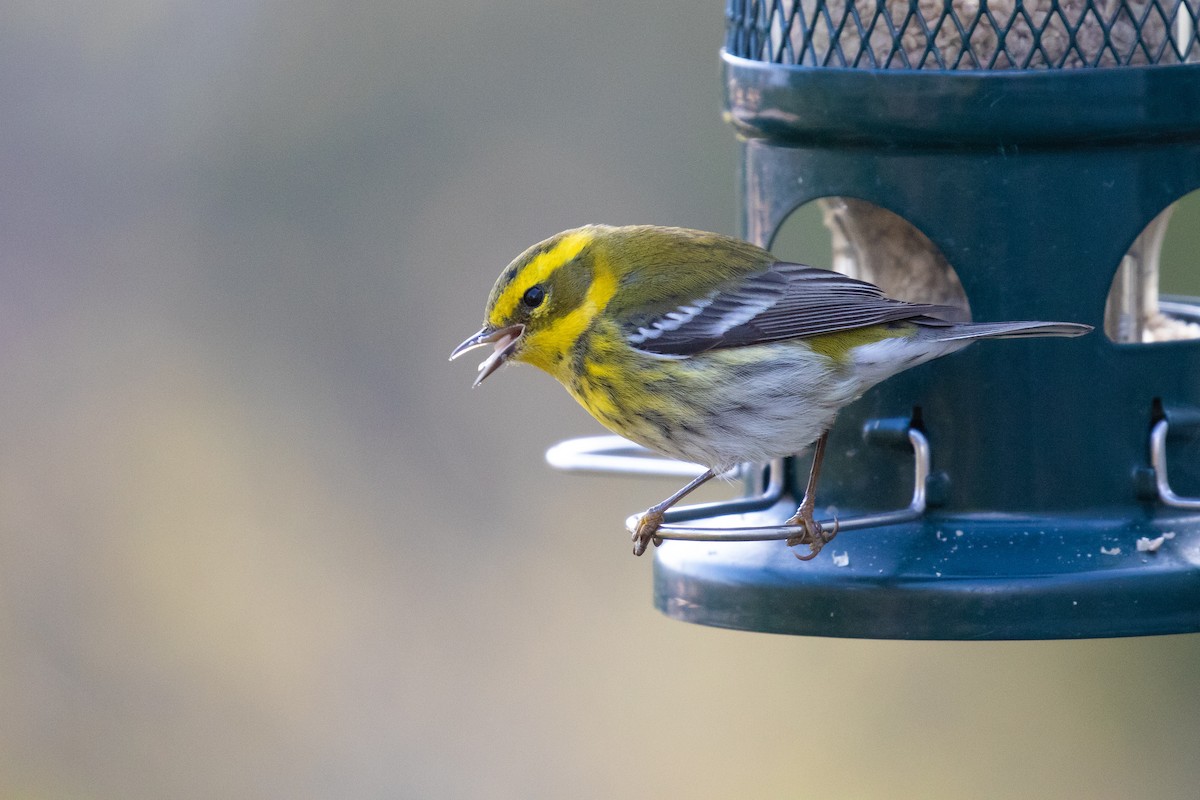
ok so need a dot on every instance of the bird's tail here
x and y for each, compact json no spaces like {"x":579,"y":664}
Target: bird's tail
{"x":1001,"y":330}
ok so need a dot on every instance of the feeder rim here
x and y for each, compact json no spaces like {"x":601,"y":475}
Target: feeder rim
{"x":1093,"y":106}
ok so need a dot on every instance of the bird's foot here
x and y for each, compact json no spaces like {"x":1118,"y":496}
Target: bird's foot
{"x":647,"y":527}
{"x":814,"y":535}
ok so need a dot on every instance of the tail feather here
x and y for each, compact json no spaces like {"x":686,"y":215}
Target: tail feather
{"x":1002,"y":330}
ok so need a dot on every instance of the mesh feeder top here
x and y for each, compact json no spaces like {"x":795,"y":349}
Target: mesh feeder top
{"x":964,"y":34}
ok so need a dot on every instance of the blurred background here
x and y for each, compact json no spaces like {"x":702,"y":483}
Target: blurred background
{"x":258,"y":538}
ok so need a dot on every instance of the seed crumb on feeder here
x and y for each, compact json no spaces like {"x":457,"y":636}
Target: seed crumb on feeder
{"x":1148,"y":545}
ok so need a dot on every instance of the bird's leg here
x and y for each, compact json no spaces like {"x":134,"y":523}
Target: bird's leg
{"x":814,"y":535}
{"x":649,"y":523}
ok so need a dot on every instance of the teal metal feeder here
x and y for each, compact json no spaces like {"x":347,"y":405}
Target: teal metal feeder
{"x":1019,"y":159}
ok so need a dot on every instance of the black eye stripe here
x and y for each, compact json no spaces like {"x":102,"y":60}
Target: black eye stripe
{"x":533,"y":297}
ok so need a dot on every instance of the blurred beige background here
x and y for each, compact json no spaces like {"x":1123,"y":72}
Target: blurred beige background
{"x":258,"y":538}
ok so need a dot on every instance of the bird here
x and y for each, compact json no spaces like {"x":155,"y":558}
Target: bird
{"x":708,"y":349}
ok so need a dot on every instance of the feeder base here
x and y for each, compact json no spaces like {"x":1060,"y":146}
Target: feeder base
{"x":995,"y":577}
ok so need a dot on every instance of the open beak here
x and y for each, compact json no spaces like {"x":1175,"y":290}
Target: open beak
{"x":505,"y":342}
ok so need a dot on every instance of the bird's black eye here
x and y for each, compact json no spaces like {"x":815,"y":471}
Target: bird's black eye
{"x":533,"y":297}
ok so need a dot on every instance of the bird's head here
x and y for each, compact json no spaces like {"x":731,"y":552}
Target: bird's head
{"x":544,"y":300}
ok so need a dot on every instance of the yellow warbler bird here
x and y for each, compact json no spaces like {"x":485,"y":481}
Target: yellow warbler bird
{"x":708,"y":349}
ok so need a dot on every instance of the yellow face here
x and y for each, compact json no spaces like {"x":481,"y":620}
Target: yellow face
{"x":543,"y":301}
{"x":520,"y":292}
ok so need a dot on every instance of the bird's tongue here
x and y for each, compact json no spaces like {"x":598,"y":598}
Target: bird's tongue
{"x":500,"y":351}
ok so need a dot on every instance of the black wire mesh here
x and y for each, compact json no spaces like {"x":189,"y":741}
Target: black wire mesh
{"x":964,"y":34}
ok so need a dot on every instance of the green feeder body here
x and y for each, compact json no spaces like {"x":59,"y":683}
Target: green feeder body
{"x":1032,"y":169}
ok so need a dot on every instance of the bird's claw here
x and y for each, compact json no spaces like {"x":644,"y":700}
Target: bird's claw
{"x":647,"y":527}
{"x":814,"y":535}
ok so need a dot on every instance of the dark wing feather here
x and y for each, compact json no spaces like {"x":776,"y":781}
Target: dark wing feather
{"x":786,"y":301}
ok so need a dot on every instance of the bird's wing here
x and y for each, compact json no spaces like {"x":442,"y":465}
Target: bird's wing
{"x":785,"y":301}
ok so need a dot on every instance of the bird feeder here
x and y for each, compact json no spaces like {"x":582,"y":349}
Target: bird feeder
{"x":1019,"y":160}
